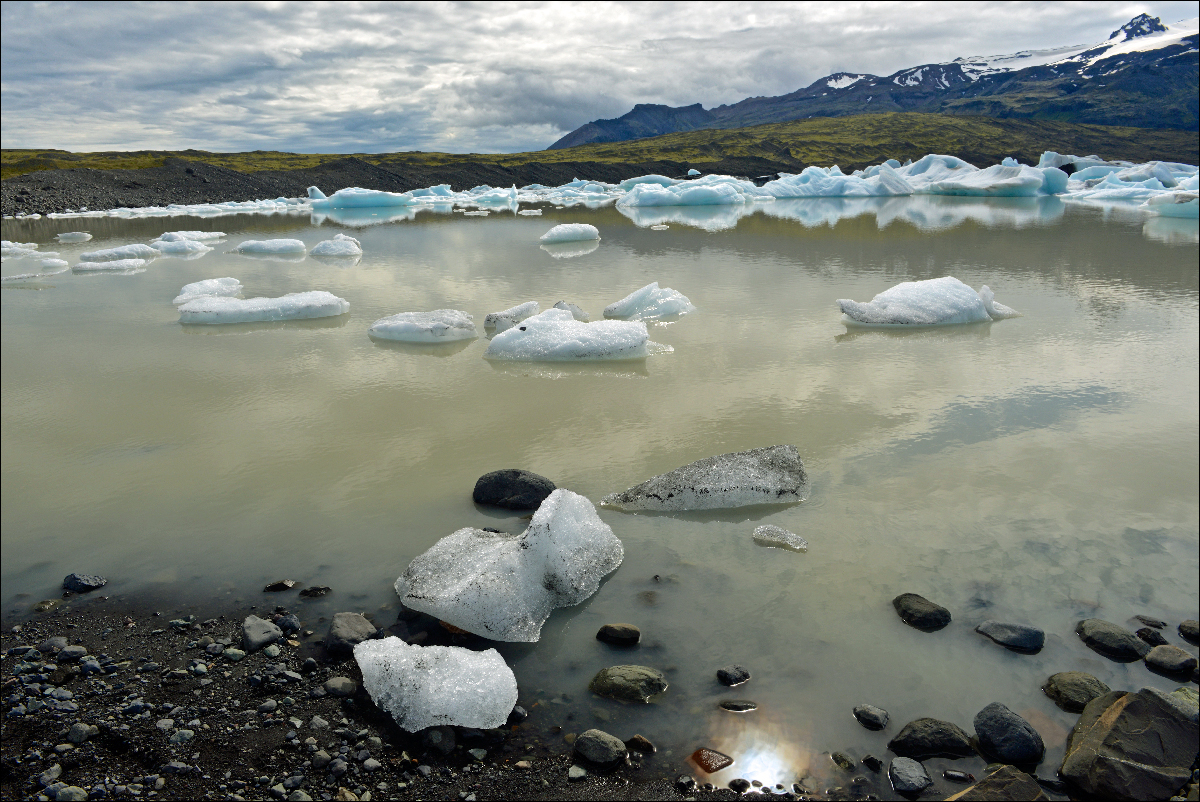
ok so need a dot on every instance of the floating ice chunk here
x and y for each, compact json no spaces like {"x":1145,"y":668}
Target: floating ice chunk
{"x":57,"y":265}
{"x":770,"y":475}
{"x":73,"y":236}
{"x":556,"y":336}
{"x":934,"y":167}
{"x":779,"y":538}
{"x":654,"y":180}
{"x":501,"y":321}
{"x":316,"y":194}
{"x":121,"y":253}
{"x":1009,"y":161}
{"x":934,"y":302}
{"x":693,"y":171}
{"x":570,"y":232}
{"x":708,"y":191}
{"x":817,"y":182}
{"x":181,"y":247}
{"x":271,"y":246}
{"x":293,"y":306}
{"x":1175,"y":204}
{"x":357,"y":198}
{"x":1113,"y":188}
{"x":531,"y":212}
{"x":504,"y":587}
{"x":438,"y":326}
{"x":650,"y":302}
{"x":659,"y":228}
{"x":194,"y":236}
{"x":433,"y":686}
{"x":569,"y":250}
{"x":997,"y":181}
{"x":341,"y":245}
{"x":575,"y":311}
{"x":135,"y":265}
{"x":480,"y":213}
{"x":225,"y":287}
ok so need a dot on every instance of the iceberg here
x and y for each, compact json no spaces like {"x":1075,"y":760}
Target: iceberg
{"x":503,"y":586}
{"x":434,"y":686}
{"x":693,"y":172}
{"x":997,"y":181}
{"x":777,"y":537}
{"x":357,"y":198}
{"x":770,"y":475}
{"x":650,"y":302}
{"x":438,"y":326}
{"x":225,"y":287}
{"x":121,"y":253}
{"x":181,"y":247}
{"x":341,"y":245}
{"x":271,"y":246}
{"x":708,"y":191}
{"x":1174,"y":204}
{"x":293,"y":306}
{"x":934,"y":302}
{"x":630,"y":183}
{"x":135,"y":265}
{"x":818,"y":182}
{"x":194,"y":236}
{"x":501,"y":321}
{"x":73,"y":236}
{"x":570,"y":232}
{"x":556,"y":336}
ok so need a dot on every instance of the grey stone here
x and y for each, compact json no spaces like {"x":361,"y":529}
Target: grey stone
{"x":628,"y":683}
{"x":1151,"y":636}
{"x":600,"y":748}
{"x":346,"y":631}
{"x":50,"y":646}
{"x":1132,"y":746}
{"x":257,"y":633}
{"x":182,"y":736}
{"x":233,"y":655}
{"x":50,"y":775}
{"x":82,"y":583}
{"x":440,"y":739}
{"x":338,"y":767}
{"x":1170,"y":660}
{"x":738,"y":705}
{"x":1112,"y":641}
{"x":1157,"y":623}
{"x":290,"y":624}
{"x":1017,"y":637}
{"x":732,"y":675}
{"x":371,"y":764}
{"x":80,"y":732}
{"x":320,"y":759}
{"x":1190,"y":631}
{"x":908,"y":776}
{"x":920,"y":613}
{"x":512,"y":489}
{"x":930,"y":737}
{"x":72,"y":793}
{"x":1072,"y":690}
{"x":71,"y":654}
{"x":871,"y":717}
{"x":1005,"y":737}
{"x":268,"y":706}
{"x":340,"y":686}
{"x":299,"y":796}
{"x":1005,"y":784}
{"x":619,"y":634}
{"x":576,"y":773}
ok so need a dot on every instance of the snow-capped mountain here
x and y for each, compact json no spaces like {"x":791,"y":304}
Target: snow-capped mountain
{"x":1143,"y":75}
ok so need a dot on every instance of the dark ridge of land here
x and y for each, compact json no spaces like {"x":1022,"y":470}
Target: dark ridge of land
{"x":54,"y":181}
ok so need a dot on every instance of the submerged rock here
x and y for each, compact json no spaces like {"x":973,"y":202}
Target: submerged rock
{"x":871,"y":717}
{"x":1190,"y":631}
{"x":513,"y":489}
{"x":82,"y":583}
{"x":619,"y":634}
{"x":738,"y":705}
{"x":1072,"y":690}
{"x":1112,"y":641}
{"x":930,"y":737}
{"x":908,"y":776}
{"x":710,"y":760}
{"x":1005,"y":783}
{"x":732,"y":675}
{"x":1016,"y":637}
{"x":920,"y":613}
{"x":600,"y":749}
{"x":504,"y":587}
{"x":771,"y":475}
{"x":628,"y":683}
{"x":1005,"y":737}
{"x":433,"y":686}
{"x":1151,"y":636}
{"x":1170,"y":660}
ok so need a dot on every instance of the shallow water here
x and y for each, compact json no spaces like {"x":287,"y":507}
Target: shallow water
{"x":1037,"y":470}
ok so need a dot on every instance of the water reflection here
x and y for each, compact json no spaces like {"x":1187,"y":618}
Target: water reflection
{"x":226,"y":329}
{"x":569,"y":250}
{"x":377,"y":215}
{"x":422,"y":349}
{"x":1172,"y":230}
{"x":762,"y":746}
{"x":291,"y":258}
{"x":959,"y":331}
{"x":623,"y":369}
{"x":342,"y":262}
{"x":708,"y":218}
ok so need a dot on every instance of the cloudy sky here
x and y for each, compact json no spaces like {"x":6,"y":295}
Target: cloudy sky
{"x":459,"y":77}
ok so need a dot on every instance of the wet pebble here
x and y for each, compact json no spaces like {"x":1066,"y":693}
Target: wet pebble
{"x":619,"y":634}
{"x":908,"y":776}
{"x":739,"y":785}
{"x":1151,"y":636}
{"x":732,"y":675}
{"x":738,"y":705}
{"x":920,"y":613}
{"x":871,"y":717}
{"x":1170,"y":660}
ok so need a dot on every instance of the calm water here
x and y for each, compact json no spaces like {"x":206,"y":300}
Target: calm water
{"x":1035,"y":470}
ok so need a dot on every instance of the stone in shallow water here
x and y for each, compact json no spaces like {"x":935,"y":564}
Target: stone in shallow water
{"x":1151,"y":636}
{"x":1190,"y":631}
{"x":1157,"y":623}
{"x":281,"y":585}
{"x":738,"y":705}
{"x":504,"y":587}
{"x":1112,"y":641}
{"x":82,"y":583}
{"x":710,"y":760}
{"x":1016,"y":637}
{"x":930,"y":737}
{"x":1006,"y":783}
{"x":908,"y":776}
{"x":512,"y":489}
{"x":640,"y":743}
{"x":919,"y":612}
{"x":871,"y":717}
{"x":432,"y":686}
{"x":1006,"y":737}
{"x":1165,"y":659}
{"x":732,"y":675}
{"x":779,"y":538}
{"x":599,"y":748}
{"x":772,"y":475}
{"x":619,"y":634}
{"x":628,"y":683}
{"x":316,"y":591}
{"x":1072,"y":690}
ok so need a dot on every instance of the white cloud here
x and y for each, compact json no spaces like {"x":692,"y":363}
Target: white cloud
{"x":460,"y":77}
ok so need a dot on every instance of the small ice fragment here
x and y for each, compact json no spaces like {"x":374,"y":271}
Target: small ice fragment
{"x":575,"y":311}
{"x":114,"y":265}
{"x":477,"y":213}
{"x":770,"y":475}
{"x":531,"y":212}
{"x":341,"y":245}
{"x":650,"y":302}
{"x":433,"y":686}
{"x":195,"y":236}
{"x":571,"y":232}
{"x":659,"y":228}
{"x":933,"y":302}
{"x":271,"y":246}
{"x":74,"y":236}
{"x":181,"y":247}
{"x":438,"y":326}
{"x":779,"y":538}
{"x":556,"y":336}
{"x":57,"y":265}
{"x":996,"y":311}
{"x":225,"y":287}
{"x":120,"y":253}
{"x":693,"y":171}
{"x":1175,"y":204}
{"x":504,"y":587}
{"x":293,"y":306}
{"x":510,"y":317}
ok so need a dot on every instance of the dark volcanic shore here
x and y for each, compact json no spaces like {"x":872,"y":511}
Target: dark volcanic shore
{"x":181,"y":181}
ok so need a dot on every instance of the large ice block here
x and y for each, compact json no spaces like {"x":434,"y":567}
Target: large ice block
{"x":556,"y":336}
{"x":293,"y":306}
{"x":650,"y":302}
{"x":933,"y":302}
{"x":438,"y":326}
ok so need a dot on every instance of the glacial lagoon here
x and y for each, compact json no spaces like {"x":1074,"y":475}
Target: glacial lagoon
{"x":1036,"y":470}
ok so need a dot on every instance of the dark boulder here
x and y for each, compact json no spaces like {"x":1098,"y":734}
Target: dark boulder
{"x":1016,"y":637}
{"x":931,"y":737}
{"x":1151,"y":636}
{"x":619,"y":634}
{"x":1170,"y":660}
{"x":599,"y":748}
{"x":732,"y":675}
{"x":1072,"y":690}
{"x":1112,"y":641}
{"x":871,"y":717}
{"x":908,"y":776}
{"x":82,"y":583}
{"x":512,"y":489}
{"x":1005,"y":737}
{"x":919,"y":612}
{"x":1190,"y":631}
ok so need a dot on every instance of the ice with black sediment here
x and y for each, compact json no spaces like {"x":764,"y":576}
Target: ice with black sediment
{"x":769,"y":475}
{"x":556,"y":336}
{"x":433,"y":686}
{"x":500,"y":321}
{"x":438,"y":326}
{"x":503,"y":586}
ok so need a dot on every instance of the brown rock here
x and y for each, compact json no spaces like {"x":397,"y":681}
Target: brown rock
{"x":1007,"y":783}
{"x":710,"y":760}
{"x":619,"y":634}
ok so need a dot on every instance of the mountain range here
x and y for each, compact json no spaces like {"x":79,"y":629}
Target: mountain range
{"x":1144,"y":75}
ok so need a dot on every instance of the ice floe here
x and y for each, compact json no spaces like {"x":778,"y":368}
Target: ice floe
{"x":181,"y":247}
{"x":500,"y":321}
{"x":570,"y":232}
{"x":770,"y":475}
{"x":933,"y":302}
{"x":341,"y":245}
{"x":112,"y":265}
{"x":1175,"y":204}
{"x":17,"y":250}
{"x":711,"y":190}
{"x":270,"y":247}
{"x":503,"y":586}
{"x":779,"y":538}
{"x":820,"y":182}
{"x":225,"y":287}
{"x":73,"y":236}
{"x":650,"y":302}
{"x":56,"y":265}
{"x":194,"y":236}
{"x":293,"y":306}
{"x":357,"y":198}
{"x":434,"y":686}
{"x":556,"y":336}
{"x":120,"y":253}
{"x":438,"y":326}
